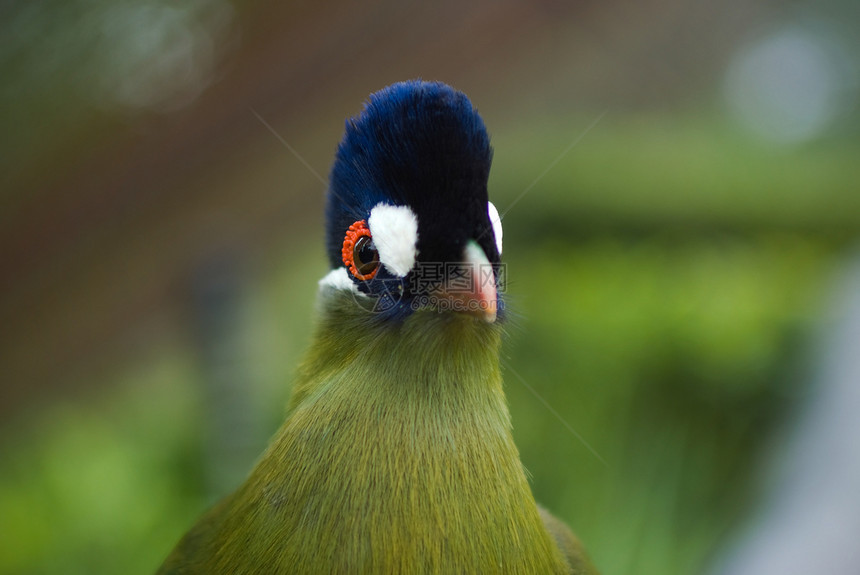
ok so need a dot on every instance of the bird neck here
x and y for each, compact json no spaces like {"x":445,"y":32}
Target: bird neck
{"x":397,"y":453}
{"x":441,"y":354}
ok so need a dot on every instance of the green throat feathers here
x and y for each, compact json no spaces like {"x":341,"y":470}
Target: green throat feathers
{"x":396,"y":457}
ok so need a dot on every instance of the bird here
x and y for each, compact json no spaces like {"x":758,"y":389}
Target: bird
{"x":396,"y":454}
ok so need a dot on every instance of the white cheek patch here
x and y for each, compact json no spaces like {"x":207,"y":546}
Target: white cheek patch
{"x":496,"y":222}
{"x":338,"y":279}
{"x":395,"y":235}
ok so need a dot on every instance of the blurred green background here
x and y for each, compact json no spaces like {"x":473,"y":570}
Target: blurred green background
{"x":682,"y":179}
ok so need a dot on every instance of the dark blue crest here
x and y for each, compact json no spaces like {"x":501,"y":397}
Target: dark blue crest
{"x":420,"y":144}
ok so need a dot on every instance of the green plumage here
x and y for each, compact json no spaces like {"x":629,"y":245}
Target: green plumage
{"x":396,"y":457}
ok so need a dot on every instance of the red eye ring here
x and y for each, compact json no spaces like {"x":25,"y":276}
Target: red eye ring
{"x":354,"y":245}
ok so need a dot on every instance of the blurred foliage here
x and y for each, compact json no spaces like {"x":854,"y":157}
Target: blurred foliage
{"x":673,"y":361}
{"x":688,"y":170}
{"x":108,"y":482}
{"x":664,"y":269}
{"x":661,"y":281}
{"x":69,"y":66}
{"x":89,"y":487}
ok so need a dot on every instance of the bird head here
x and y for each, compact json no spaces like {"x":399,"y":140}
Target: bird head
{"x":409,"y":222}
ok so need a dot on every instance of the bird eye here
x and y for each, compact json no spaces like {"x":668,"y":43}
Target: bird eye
{"x":359,"y":254}
{"x":365,"y":258}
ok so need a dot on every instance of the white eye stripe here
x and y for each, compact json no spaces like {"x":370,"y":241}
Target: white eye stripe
{"x":496,"y":222}
{"x":395,"y":236}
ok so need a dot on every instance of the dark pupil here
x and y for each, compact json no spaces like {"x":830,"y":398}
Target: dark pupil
{"x":364,"y":256}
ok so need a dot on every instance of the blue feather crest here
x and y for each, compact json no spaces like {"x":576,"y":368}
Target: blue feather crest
{"x":420,"y":144}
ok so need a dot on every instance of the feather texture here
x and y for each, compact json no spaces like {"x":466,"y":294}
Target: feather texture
{"x":423,"y":145}
{"x":396,"y":455}
{"x":419,"y":476}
